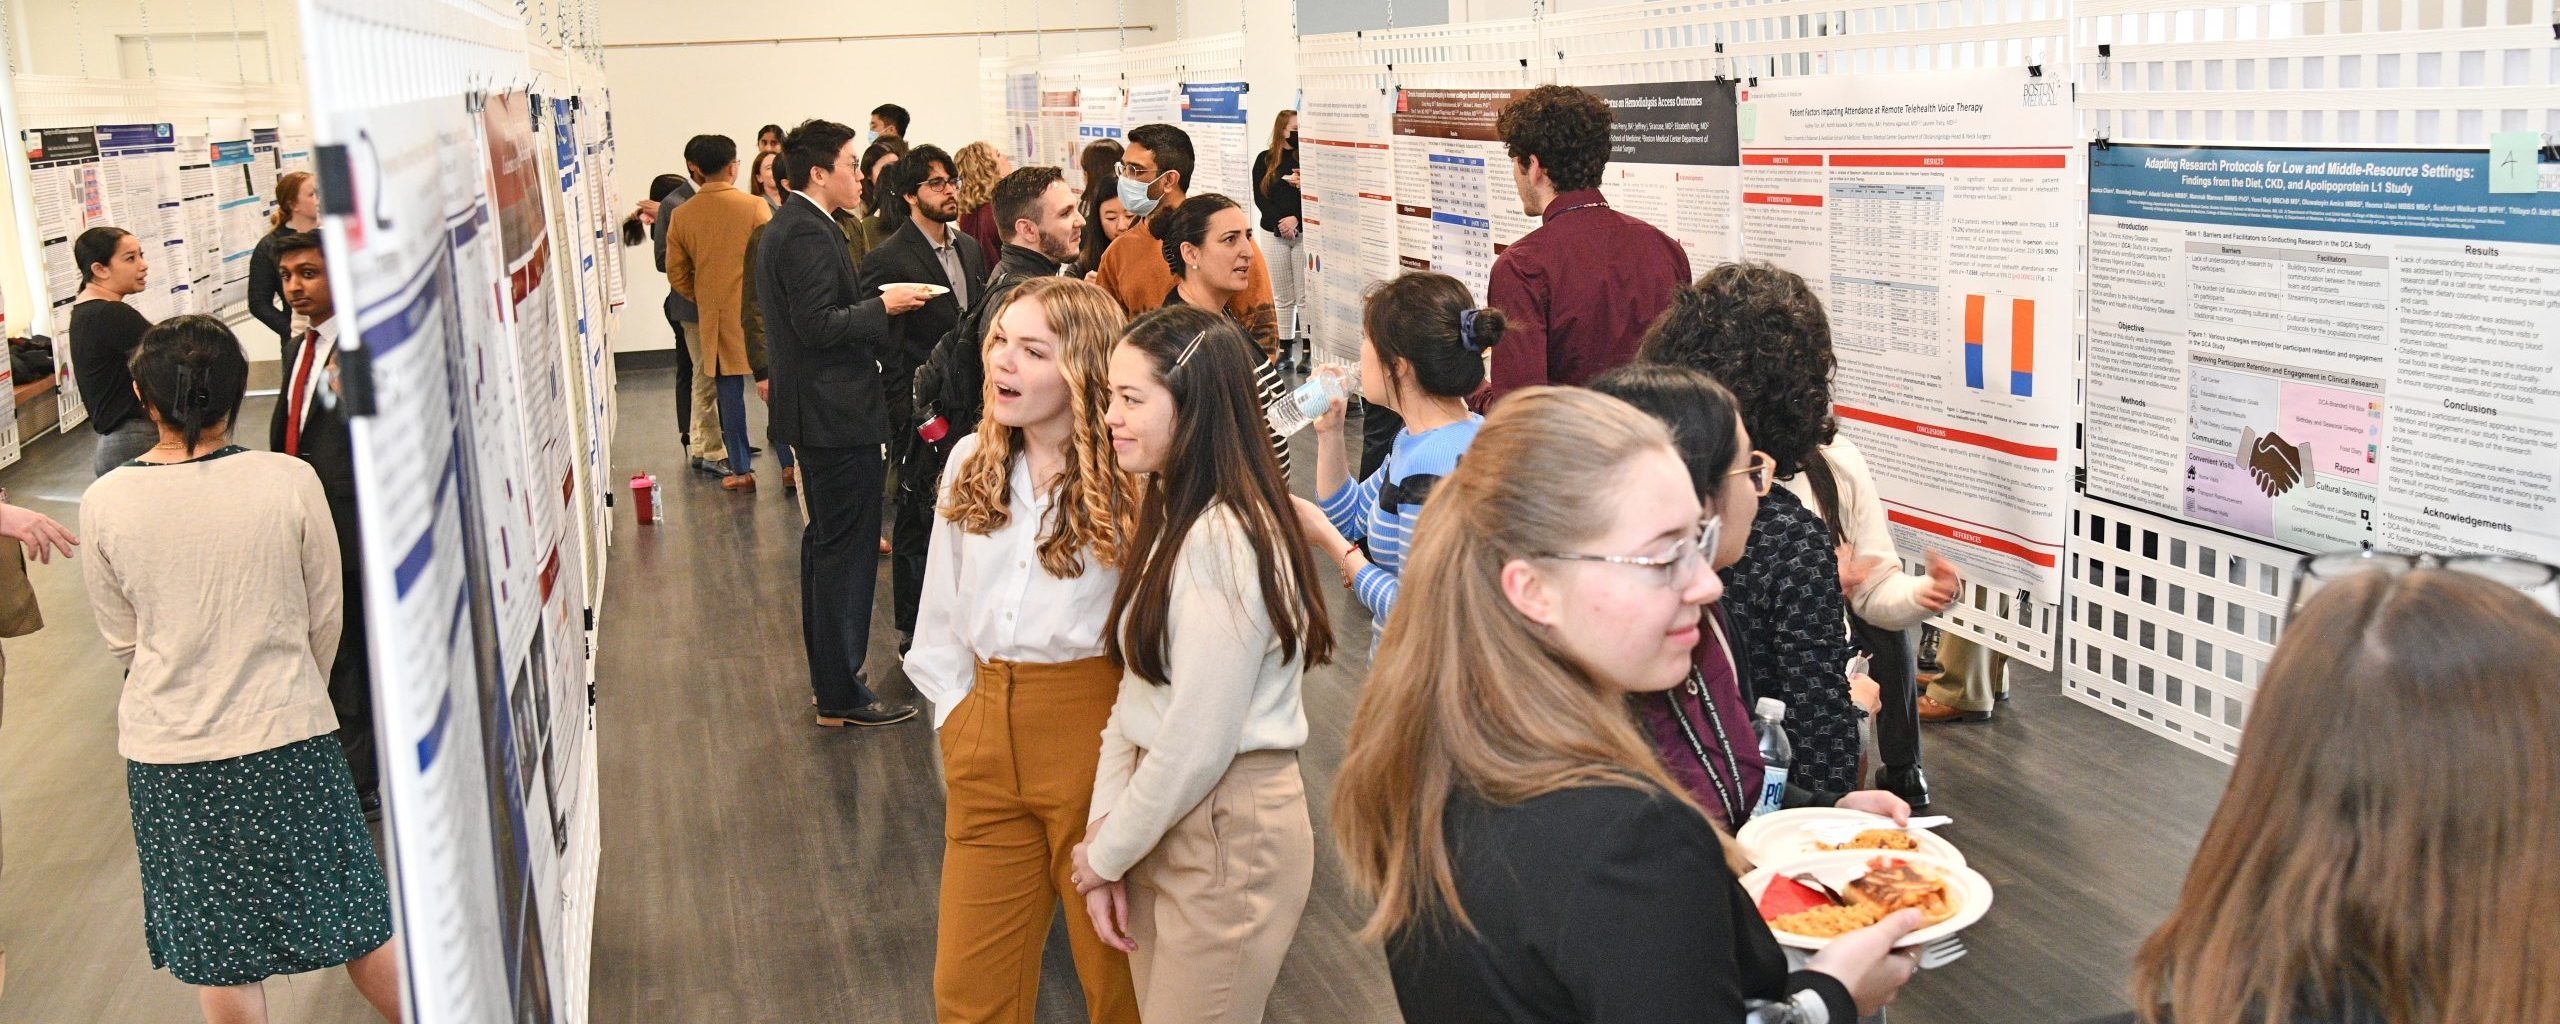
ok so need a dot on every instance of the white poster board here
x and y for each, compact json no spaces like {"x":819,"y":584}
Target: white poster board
{"x":1349,"y":213}
{"x":1675,"y":162}
{"x":1457,"y":205}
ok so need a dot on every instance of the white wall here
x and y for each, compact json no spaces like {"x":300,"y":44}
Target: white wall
{"x":190,"y":39}
{"x":663,"y":95}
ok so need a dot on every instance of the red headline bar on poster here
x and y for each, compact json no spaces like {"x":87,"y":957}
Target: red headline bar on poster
{"x":1347,"y":144}
{"x":2002,"y":545}
{"x":1780,"y":199}
{"x":2003,"y":445}
{"x":1782,"y":159}
{"x":1373,"y":195}
{"x":2054,"y":161}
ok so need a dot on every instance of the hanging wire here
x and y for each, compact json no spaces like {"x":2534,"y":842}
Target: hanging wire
{"x":9,"y":36}
{"x":81,"y":37}
{"x":239,"y":67}
{"x":1120,"y":17}
{"x":150,"y":55}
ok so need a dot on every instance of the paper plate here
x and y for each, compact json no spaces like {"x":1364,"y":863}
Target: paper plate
{"x":931,"y":291}
{"x":1785,"y":835}
{"x":1838,"y":867}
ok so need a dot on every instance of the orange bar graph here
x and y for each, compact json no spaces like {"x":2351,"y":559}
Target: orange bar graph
{"x":2022,"y":346}
{"x":1973,"y":319}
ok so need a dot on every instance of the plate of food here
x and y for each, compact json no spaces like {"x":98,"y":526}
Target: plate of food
{"x":1810,"y":900}
{"x":1785,"y":835}
{"x":931,"y":291}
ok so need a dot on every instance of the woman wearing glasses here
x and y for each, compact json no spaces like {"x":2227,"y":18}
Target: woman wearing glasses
{"x":1701,"y":729}
{"x":2384,"y":851}
{"x":1200,"y":853}
{"x":1530,"y":859}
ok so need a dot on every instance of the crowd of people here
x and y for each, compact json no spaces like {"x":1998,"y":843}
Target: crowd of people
{"x":1594,"y":519}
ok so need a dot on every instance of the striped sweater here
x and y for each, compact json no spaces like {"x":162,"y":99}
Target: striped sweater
{"x":1356,"y":511}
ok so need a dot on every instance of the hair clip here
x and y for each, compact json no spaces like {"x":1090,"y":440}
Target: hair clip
{"x":1467,"y":329}
{"x":1187,"y":350}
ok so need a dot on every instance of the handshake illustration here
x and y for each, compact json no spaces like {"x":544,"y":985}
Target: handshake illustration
{"x":2275,"y":464}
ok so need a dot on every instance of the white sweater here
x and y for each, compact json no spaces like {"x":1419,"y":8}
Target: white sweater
{"x":1892,"y":598}
{"x":1232,"y":691}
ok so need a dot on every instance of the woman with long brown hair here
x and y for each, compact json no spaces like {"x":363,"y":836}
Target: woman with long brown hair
{"x":297,"y":209}
{"x":1275,"y":193}
{"x":1530,"y":858}
{"x":1018,"y":583}
{"x":2387,"y":850}
{"x":1201,"y":852}
{"x":981,"y":166}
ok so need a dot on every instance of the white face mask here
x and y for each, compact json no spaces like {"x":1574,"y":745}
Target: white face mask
{"x":869,"y":137}
{"x":1134,"y":197}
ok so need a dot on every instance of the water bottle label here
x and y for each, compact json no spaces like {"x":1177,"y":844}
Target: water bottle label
{"x":1773,"y":791}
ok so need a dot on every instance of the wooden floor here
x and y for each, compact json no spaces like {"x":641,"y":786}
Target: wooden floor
{"x":758,"y":869}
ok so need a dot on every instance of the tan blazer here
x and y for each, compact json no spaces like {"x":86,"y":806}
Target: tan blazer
{"x":707,"y":264}
{"x":18,"y":613}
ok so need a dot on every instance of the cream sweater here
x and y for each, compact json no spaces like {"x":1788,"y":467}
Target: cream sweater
{"x":216,"y":583}
{"x":1892,"y":598}
{"x":1232,"y":691}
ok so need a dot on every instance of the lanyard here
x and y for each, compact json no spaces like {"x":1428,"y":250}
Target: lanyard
{"x":1601,"y":204}
{"x":1728,"y":791}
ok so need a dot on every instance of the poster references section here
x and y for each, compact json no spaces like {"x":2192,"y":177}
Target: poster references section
{"x":1933,"y":215}
{"x":1457,"y":203}
{"x":1349,"y":213}
{"x":1675,"y":163}
{"x":2326,"y":348}
{"x":1222,"y":141}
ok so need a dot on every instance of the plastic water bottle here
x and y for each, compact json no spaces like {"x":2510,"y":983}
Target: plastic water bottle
{"x":1775,"y":750}
{"x":1294,"y":411}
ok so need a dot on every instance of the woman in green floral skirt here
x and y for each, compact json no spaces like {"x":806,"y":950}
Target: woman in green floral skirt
{"x":214,"y":573}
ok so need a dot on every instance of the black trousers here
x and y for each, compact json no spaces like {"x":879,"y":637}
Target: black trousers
{"x":839,"y":568}
{"x":351,"y":676}
{"x":684,"y":383}
{"x":1893,"y":662}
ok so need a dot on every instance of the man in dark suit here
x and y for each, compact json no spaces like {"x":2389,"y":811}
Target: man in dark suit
{"x":927,"y":249}
{"x":824,"y":339}
{"x":308,"y":425}
{"x":671,"y":191}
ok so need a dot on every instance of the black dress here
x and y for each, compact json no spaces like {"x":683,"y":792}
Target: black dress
{"x":1603,"y":904}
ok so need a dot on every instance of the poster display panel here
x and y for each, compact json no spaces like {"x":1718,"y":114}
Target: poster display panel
{"x":1349,"y":213}
{"x":138,"y":174}
{"x":1675,"y":162}
{"x":1456,"y":199}
{"x":1932,"y":214}
{"x":62,"y":173}
{"x":2326,"y":348}
{"x":1222,"y":142}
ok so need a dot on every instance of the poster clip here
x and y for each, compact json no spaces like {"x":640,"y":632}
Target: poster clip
{"x":355,"y":374}
{"x":2107,"y":50}
{"x":2035,"y":71}
{"x":1524,"y":61}
{"x":2102,"y":144}
{"x":337,"y":188}
{"x":1719,"y":47}
{"x":1753,"y":81}
{"x":2555,"y":30}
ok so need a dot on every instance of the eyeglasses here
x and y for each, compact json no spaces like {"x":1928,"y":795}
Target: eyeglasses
{"x":2539,"y":580}
{"x":941,"y":184}
{"x":1763,"y":473}
{"x":1121,"y":169}
{"x":1676,"y":568}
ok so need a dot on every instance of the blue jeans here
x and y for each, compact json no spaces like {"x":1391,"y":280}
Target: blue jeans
{"x":733,"y":421}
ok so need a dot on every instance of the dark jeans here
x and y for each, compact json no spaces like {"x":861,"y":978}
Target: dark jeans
{"x":684,"y":383}
{"x":839,"y":569}
{"x":733,"y":421}
{"x":350,"y":677}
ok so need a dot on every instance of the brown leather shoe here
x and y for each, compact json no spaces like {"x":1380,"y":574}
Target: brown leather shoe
{"x":1932,"y":711}
{"x":738,"y":482}
{"x":790,"y":478}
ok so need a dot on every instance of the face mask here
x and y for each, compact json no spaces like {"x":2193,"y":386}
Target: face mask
{"x":869,"y":137}
{"x":1293,"y":140}
{"x":1133,"y":196}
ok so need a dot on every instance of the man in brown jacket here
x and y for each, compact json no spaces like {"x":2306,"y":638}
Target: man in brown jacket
{"x":707,"y":264}
{"x":1156,"y":166}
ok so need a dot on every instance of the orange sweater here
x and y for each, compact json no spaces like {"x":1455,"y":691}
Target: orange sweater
{"x":1133,"y":271}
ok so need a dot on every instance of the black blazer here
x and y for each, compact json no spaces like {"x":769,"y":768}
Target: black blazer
{"x":824,"y":336}
{"x":327,"y":445}
{"x":906,"y":258}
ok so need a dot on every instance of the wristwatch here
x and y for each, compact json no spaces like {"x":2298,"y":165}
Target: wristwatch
{"x":1803,"y":1006}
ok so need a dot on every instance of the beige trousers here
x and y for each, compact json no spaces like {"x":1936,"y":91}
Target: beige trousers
{"x":707,"y":442}
{"x":1214,"y":906}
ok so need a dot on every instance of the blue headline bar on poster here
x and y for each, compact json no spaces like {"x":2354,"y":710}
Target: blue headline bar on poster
{"x":230,"y":154}
{"x":145,"y":137}
{"x":2412,"y":193}
{"x":1213,"y":103}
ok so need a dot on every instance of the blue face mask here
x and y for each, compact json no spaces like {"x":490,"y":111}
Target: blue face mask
{"x":1134,"y":197}
{"x":869,"y":137}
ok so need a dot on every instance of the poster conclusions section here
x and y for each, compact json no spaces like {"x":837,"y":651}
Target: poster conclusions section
{"x":2326,"y":348}
{"x":1675,"y":162}
{"x":1349,"y":212}
{"x":1933,"y":213}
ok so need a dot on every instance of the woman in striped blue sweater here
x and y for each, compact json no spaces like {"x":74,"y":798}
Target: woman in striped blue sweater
{"x":1422,"y":351}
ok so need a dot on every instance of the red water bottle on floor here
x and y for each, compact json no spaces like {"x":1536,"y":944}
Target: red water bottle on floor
{"x":644,"y":498}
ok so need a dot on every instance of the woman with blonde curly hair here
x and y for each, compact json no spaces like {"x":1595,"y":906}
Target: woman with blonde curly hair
{"x":981,"y":166}
{"x":1009,"y":646}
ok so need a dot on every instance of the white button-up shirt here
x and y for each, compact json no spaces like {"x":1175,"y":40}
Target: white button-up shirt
{"x":986,"y":597}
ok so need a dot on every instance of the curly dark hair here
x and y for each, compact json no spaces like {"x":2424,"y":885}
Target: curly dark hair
{"x":1566,"y":128}
{"x":1761,"y":332}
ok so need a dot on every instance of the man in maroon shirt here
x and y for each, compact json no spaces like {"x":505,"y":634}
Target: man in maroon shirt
{"x":1581,"y":289}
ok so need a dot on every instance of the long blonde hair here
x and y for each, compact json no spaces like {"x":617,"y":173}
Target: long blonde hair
{"x":977,"y":164}
{"x":1465,"y":691}
{"x":2389,"y":836}
{"x":1279,"y":140}
{"x":1093,"y":498}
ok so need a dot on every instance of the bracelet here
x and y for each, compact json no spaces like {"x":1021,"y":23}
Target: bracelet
{"x":1350,"y":575}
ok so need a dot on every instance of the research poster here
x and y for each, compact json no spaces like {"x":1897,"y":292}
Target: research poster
{"x":242,"y":214}
{"x":2326,"y":348}
{"x":1022,"y":117}
{"x":1057,"y":144}
{"x":62,"y":173}
{"x":414,"y":182}
{"x":1675,"y":162}
{"x":1933,"y":214}
{"x":1457,"y":204}
{"x":1099,"y":113}
{"x":1222,"y":140}
{"x":1153,"y":102}
{"x":1348,"y":210}
{"x":138,"y":174}
{"x":203,"y":231}
{"x":264,"y":146}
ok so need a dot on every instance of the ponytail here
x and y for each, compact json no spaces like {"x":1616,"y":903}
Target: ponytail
{"x":191,"y":374}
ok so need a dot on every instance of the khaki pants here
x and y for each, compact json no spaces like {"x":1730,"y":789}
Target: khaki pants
{"x":1214,"y":906}
{"x":1970,"y":679}
{"x":707,"y":443}
{"x":1018,"y":759}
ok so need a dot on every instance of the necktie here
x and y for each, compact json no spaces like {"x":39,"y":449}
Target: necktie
{"x":300,"y":396}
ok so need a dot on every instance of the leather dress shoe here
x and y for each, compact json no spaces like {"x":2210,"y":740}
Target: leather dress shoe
{"x":1932,"y":711}
{"x":878,"y":712}
{"x":1911,"y":784}
{"x":715,"y":467}
{"x":790,"y":478}
{"x":740,"y":482}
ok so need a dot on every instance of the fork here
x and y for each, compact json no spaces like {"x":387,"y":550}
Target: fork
{"x":1941,"y":953}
